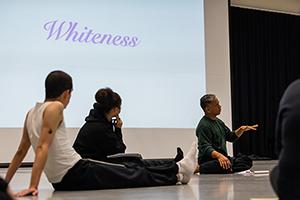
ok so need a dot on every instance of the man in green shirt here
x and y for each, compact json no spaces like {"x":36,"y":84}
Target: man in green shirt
{"x":212,"y":135}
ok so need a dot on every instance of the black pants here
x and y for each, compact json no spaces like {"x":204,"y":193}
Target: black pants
{"x":148,"y":163}
{"x":93,"y":175}
{"x":238,"y":164}
{"x":138,"y":160}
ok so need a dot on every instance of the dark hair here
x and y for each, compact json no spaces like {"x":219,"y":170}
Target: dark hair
{"x":107,"y":99}
{"x":56,"y":83}
{"x":206,"y":99}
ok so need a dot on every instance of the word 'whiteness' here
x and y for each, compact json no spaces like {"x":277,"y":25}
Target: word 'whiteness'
{"x":71,"y":32}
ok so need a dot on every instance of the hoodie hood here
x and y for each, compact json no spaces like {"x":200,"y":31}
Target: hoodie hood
{"x":96,"y":114}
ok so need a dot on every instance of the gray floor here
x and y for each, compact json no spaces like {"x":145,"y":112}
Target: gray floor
{"x":202,"y":187}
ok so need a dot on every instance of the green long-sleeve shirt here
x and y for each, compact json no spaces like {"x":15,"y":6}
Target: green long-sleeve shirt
{"x":212,"y":136}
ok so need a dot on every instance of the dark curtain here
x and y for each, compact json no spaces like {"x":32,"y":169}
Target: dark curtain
{"x":264,"y":59}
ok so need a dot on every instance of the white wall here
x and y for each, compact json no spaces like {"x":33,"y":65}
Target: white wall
{"x":217,"y":56}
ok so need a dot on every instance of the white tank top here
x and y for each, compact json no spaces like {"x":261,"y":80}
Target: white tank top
{"x":61,"y":155}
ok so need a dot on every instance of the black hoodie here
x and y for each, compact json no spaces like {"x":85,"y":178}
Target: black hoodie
{"x":98,"y":137}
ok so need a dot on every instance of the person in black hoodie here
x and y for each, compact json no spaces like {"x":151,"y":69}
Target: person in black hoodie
{"x":101,"y":135}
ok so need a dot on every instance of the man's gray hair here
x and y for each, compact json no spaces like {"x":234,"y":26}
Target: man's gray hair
{"x":206,"y":99}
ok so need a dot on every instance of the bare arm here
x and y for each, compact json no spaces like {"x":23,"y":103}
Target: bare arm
{"x":53,"y":115}
{"x":19,"y":155}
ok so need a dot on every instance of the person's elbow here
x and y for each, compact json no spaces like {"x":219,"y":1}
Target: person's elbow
{"x":42,"y":148}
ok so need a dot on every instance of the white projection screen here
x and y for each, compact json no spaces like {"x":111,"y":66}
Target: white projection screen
{"x":150,"y":52}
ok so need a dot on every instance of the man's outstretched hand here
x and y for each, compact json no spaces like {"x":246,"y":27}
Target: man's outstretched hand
{"x":244,"y":128}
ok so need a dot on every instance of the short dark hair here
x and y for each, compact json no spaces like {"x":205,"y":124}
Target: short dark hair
{"x":56,"y":83}
{"x":206,"y":99}
{"x":107,"y":99}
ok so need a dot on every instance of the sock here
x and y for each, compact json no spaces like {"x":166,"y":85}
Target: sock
{"x":188,"y":164}
{"x":179,"y":177}
{"x":179,"y":155}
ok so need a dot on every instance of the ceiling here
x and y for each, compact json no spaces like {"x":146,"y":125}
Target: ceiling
{"x":285,"y":6}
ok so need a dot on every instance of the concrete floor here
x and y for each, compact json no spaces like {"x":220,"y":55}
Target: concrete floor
{"x":202,"y":187}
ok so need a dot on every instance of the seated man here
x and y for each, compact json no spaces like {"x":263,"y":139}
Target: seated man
{"x":285,"y":177}
{"x":212,"y":135}
{"x":44,"y":129}
{"x":101,"y":135}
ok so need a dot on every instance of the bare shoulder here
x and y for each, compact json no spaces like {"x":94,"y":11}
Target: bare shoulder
{"x":55,"y":106}
{"x":54,"y":109}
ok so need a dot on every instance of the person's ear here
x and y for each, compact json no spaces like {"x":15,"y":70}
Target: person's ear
{"x":207,"y":110}
{"x":66,"y":94}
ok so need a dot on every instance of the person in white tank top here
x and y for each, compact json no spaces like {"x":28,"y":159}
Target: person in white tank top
{"x":44,"y":129}
{"x":61,"y":156}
